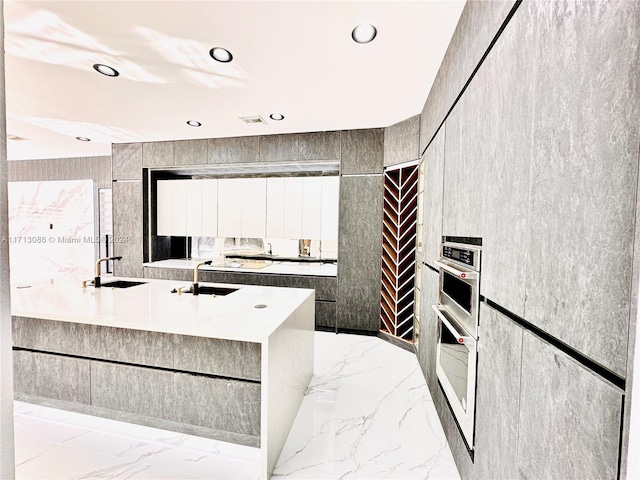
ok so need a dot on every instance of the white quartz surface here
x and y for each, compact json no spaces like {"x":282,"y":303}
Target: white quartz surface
{"x":153,"y":307}
{"x":244,"y":266}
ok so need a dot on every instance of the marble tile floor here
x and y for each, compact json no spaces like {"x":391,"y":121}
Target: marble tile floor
{"x":367,"y":415}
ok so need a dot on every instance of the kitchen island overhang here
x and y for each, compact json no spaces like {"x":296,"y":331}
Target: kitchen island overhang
{"x":231,"y":367}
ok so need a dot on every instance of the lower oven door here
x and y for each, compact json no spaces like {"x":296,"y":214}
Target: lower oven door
{"x":456,"y":370}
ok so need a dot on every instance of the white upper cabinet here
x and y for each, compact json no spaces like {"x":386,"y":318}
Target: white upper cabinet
{"x":193,"y":210}
{"x":311,"y":207}
{"x":329,"y":218}
{"x":163,"y":207}
{"x":254,"y":207}
{"x":209,"y":206}
{"x":275,"y":207}
{"x":179,"y":207}
{"x":293,"y":207}
{"x":229,"y":207}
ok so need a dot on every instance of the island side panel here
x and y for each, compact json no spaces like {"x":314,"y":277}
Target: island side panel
{"x":287,"y":368}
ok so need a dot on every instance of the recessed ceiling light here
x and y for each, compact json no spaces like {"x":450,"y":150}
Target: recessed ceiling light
{"x":276,"y":116}
{"x":105,"y":70}
{"x":193,"y":123}
{"x":364,"y":33}
{"x":221,"y":54}
{"x":83,"y":139}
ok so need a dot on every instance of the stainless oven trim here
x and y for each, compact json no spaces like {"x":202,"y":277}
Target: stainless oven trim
{"x":467,"y":319}
{"x":466,"y":420}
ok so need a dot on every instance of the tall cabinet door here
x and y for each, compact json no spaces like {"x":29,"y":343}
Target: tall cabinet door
{"x":209,"y":211}
{"x":311,"y":207}
{"x":163,"y":207}
{"x":329,"y":208}
{"x":293,"y":187}
{"x":229,"y":207}
{"x":275,"y":207}
{"x":194,"y":208}
{"x":254,"y":207}
{"x":179,"y":207}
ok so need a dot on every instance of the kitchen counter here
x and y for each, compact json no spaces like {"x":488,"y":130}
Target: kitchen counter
{"x":253,"y":265}
{"x":212,"y":366}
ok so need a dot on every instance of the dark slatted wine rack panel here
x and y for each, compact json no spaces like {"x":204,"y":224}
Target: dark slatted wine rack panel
{"x":399,"y":251}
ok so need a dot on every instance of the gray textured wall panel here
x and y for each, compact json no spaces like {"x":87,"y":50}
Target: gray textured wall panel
{"x":584,"y":174}
{"x":569,"y":422}
{"x":157,"y":154}
{"x":126,"y":161}
{"x":234,"y":150}
{"x":127,"y":227}
{"x":359,"y":251}
{"x":402,"y":141}
{"x":319,"y":146}
{"x":498,"y":396}
{"x":362,"y":151}
{"x":432,"y":199}
{"x":279,"y":148}
{"x":97,"y":169}
{"x":190,"y":152}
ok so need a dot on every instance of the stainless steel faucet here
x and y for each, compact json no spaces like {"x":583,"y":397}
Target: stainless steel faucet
{"x":96,"y":281}
{"x":195,"y":286}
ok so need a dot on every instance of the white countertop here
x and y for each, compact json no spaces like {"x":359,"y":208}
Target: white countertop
{"x":153,"y":307}
{"x":239,"y":265}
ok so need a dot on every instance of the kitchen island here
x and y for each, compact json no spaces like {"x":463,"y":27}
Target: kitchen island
{"x":231,"y":367}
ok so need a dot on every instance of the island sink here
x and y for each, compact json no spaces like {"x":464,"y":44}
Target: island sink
{"x":122,"y":284}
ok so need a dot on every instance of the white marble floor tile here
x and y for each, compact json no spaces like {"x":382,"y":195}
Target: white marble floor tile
{"x":367,"y":414}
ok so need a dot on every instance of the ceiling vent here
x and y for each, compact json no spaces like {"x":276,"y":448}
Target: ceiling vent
{"x":253,"y":120}
{"x":16,"y":138}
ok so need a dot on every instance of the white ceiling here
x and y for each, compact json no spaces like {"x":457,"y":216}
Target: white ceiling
{"x":295,"y":58}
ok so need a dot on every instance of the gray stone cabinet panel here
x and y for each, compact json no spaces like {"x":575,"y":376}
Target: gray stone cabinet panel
{"x":125,"y":388}
{"x":319,"y":146}
{"x":279,"y":148}
{"x":157,"y":154}
{"x":132,"y":346}
{"x":326,"y":314}
{"x":428,"y":343}
{"x":454,"y":438}
{"x":234,"y":150}
{"x":506,"y":153}
{"x":478,"y":25}
{"x":435,"y":108}
{"x":498,"y":396}
{"x":170,"y":274}
{"x":359,"y":250}
{"x":467,"y":135}
{"x":402,"y":141}
{"x":213,"y":356}
{"x":190,"y":152}
{"x":126,"y":161}
{"x":220,"y":404}
{"x":51,"y":376}
{"x":52,"y":336}
{"x":432,"y":200}
{"x":362,"y":151}
{"x":584,"y":174}
{"x":569,"y":424}
{"x":127,"y":227}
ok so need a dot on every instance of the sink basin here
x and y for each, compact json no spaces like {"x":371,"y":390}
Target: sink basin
{"x":121,"y":284}
{"x":207,"y":290}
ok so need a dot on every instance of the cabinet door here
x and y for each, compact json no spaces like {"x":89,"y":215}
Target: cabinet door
{"x":254,"y":207}
{"x":229,"y":207}
{"x":293,"y":207}
{"x":179,"y":207}
{"x":275,"y":207}
{"x":163,"y":207}
{"x":209,"y":212}
{"x":329,"y":208}
{"x":311,"y":207}
{"x":194,"y":208}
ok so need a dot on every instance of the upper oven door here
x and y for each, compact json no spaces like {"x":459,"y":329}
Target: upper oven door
{"x":459,"y":294}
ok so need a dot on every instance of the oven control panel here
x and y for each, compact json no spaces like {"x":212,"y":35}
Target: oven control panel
{"x":464,"y":256}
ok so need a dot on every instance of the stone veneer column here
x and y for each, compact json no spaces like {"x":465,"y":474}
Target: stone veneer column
{"x":7,"y":468}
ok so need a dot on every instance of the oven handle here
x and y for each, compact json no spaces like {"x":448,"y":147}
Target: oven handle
{"x":460,"y":338}
{"x":458,"y":273}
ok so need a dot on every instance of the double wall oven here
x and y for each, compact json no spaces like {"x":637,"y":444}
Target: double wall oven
{"x":457,"y":310}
